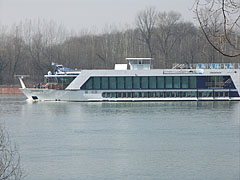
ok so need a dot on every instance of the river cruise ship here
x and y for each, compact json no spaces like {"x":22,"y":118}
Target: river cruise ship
{"x":138,"y":81}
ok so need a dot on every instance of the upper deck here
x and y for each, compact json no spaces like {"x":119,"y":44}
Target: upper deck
{"x":207,"y":66}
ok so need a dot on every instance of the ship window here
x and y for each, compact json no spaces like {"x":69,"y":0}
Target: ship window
{"x":189,"y":94}
{"x":112,"y":83}
{"x":51,"y":80}
{"x":226,"y":94}
{"x":89,"y":84}
{"x":129,"y":94}
{"x":160,"y":82}
{"x":151,"y":94}
{"x":168,"y":82}
{"x":145,"y":94}
{"x":184,"y":82}
{"x":177,"y":94}
{"x":215,"y":82}
{"x":204,"y":94}
{"x":184,"y":94}
{"x":113,"y":94}
{"x":144,"y":82}
{"x":193,"y":82}
{"x":194,"y":94}
{"x":119,"y":95}
{"x":152,"y":82}
{"x":210,"y":94}
{"x":128,"y":82}
{"x":140,"y":94}
{"x":104,"y":83}
{"x":96,"y":83}
{"x":69,"y":80}
{"x":135,"y":94}
{"x":219,"y":81}
{"x":120,"y":82}
{"x":177,"y":82}
{"x":161,"y":94}
{"x":136,"y":82}
{"x":168,"y":94}
{"x":61,"y":82}
{"x":108,"y":95}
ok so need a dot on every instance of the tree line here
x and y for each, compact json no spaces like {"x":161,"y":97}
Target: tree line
{"x":31,"y":46}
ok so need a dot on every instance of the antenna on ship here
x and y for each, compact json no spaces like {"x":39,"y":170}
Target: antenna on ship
{"x":20,"y":77}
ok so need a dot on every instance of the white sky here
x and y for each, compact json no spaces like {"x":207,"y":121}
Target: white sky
{"x":80,"y":14}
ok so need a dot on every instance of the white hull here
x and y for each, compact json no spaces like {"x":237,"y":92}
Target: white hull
{"x":95,"y":96}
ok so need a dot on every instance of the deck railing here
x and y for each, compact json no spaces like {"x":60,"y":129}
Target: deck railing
{"x":207,"y":66}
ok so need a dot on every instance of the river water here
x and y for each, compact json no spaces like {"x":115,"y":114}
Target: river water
{"x":152,"y":140}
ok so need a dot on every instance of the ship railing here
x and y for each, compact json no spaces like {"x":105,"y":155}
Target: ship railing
{"x":207,"y":66}
{"x":218,"y":66}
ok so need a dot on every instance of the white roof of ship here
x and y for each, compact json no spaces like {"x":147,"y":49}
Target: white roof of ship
{"x":140,"y":59}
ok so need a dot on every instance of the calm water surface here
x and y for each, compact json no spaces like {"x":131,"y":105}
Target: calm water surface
{"x":163,"y":140}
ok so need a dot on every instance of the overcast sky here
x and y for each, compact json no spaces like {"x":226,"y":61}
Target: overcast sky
{"x":79,"y":14}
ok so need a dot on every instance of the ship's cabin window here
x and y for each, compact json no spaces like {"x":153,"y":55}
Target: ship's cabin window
{"x":58,"y":82}
{"x":120,"y":82}
{"x":152,"y":82}
{"x":136,"y":82}
{"x":96,"y":83}
{"x":193,"y":82}
{"x":112,"y":83}
{"x":128,"y":82}
{"x":160,"y":82}
{"x":89,"y":84}
{"x":177,"y":82}
{"x":185,"y":82}
{"x":104,"y":82}
{"x":168,"y":82}
{"x":145,"y":82}
{"x":215,"y":81}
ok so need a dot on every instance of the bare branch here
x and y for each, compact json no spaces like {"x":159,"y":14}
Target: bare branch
{"x":146,"y":21}
{"x":9,"y":158}
{"x":219,"y":21}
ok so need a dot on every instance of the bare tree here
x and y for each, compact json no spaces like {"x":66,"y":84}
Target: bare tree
{"x":9,"y":158}
{"x":16,"y":50}
{"x":3,"y":59}
{"x":146,"y":21}
{"x":224,"y":35}
{"x":169,"y":32}
{"x":3,"y":65}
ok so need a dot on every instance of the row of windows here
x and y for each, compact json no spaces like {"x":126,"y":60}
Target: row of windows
{"x":163,"y":94}
{"x":141,"y":82}
{"x":215,"y":81}
{"x":60,"y":80}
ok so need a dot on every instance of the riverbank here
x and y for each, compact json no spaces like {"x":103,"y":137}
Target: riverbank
{"x":10,"y":90}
